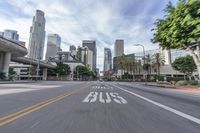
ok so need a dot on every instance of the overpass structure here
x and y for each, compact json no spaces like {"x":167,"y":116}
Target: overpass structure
{"x":14,"y":51}
{"x":9,"y":49}
{"x":34,"y":62}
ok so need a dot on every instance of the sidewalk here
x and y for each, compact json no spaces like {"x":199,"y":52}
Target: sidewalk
{"x":18,"y":82}
{"x":159,"y":85}
{"x":184,"y":88}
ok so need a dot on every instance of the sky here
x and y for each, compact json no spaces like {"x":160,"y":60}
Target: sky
{"x":77,"y":20}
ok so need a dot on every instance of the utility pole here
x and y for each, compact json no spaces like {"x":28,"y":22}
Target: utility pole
{"x":144,"y":70}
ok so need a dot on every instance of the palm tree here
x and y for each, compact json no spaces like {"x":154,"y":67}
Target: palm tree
{"x":132,"y":66}
{"x":138,"y":67}
{"x":148,"y":64}
{"x":159,"y":60}
{"x":121,"y":64}
{"x":127,"y":65}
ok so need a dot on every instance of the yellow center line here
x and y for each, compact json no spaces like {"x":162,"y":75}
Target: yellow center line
{"x":9,"y":118}
{"x":26,"y":109}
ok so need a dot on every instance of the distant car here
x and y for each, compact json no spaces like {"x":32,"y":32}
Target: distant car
{"x":100,"y":80}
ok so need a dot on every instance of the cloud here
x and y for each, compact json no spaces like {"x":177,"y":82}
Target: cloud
{"x":75,"y":20}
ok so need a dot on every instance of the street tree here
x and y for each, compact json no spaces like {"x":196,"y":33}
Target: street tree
{"x":2,"y":76}
{"x":180,"y":28}
{"x":82,"y":71}
{"x":159,"y":60}
{"x":121,"y":64}
{"x":11,"y":73}
{"x":61,"y":69}
{"x":185,"y":65}
{"x":148,"y":64}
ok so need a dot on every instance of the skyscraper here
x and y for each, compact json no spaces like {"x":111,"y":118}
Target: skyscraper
{"x":11,"y":34}
{"x":107,"y":59}
{"x":91,"y":44}
{"x":1,"y":33}
{"x":118,"y":48}
{"x":72,"y":48}
{"x":53,"y":45}
{"x":166,"y":55}
{"x":37,"y":36}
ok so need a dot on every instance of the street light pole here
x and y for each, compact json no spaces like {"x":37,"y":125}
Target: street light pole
{"x":144,"y":73}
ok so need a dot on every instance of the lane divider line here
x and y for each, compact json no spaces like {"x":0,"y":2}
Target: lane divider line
{"x":9,"y":118}
{"x":177,"y":112}
{"x":26,"y":109}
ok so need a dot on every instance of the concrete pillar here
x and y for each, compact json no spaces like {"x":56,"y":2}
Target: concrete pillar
{"x":1,"y":61}
{"x":44,"y":75}
{"x":5,"y":65}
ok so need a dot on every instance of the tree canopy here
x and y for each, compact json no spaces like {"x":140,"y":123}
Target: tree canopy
{"x":180,"y":28}
{"x":84,"y":71}
{"x":185,"y":65}
{"x":61,"y":69}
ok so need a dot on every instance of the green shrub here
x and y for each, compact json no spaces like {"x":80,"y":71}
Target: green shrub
{"x":192,"y":82}
{"x":187,"y":82}
{"x":176,"y":79}
{"x":181,"y":83}
{"x":2,"y":76}
{"x":160,"y":78}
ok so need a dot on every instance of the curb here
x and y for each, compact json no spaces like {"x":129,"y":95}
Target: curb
{"x":17,"y":82}
{"x":171,"y":87}
{"x":160,"y":86}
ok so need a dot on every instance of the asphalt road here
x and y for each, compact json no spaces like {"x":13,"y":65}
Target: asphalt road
{"x":97,"y":107}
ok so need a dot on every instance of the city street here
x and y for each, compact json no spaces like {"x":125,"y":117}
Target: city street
{"x":96,"y":107}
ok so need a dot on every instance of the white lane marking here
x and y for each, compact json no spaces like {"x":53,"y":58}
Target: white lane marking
{"x":179,"y":113}
{"x":108,"y":100}
{"x":92,"y":97}
{"x":35,"y":124}
{"x":102,"y":87}
{"x":11,"y":91}
{"x":101,"y":98}
{"x":117,"y":98}
{"x":87,"y":97}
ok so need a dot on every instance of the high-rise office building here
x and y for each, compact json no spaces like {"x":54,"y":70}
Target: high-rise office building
{"x":118,"y":48}
{"x":166,"y":55}
{"x":1,"y":33}
{"x":53,"y":45}
{"x":91,"y":44}
{"x":107,"y":59}
{"x":37,"y":36}
{"x":11,"y":34}
{"x":87,"y":57}
{"x":97,"y":72}
{"x":55,"y":39}
{"x":72,"y":48}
